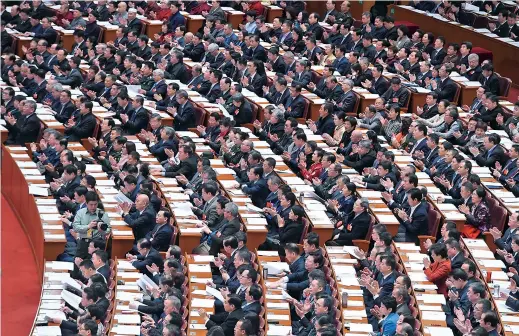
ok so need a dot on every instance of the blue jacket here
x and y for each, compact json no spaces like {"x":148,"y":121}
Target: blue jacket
{"x":389,"y":325}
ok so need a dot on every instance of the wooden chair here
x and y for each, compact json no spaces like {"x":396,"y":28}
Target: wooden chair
{"x":306,"y":223}
{"x":434,"y":222}
{"x":499,"y":217}
{"x":200,"y":116}
{"x":457,"y":94}
{"x":404,"y":108}
{"x":504,"y":86}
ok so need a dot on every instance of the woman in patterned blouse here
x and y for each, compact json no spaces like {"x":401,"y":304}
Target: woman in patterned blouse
{"x":478,"y":216}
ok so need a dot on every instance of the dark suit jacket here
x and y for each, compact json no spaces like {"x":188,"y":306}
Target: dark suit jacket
{"x":185,"y":117}
{"x":186,"y":168}
{"x":325,"y":126}
{"x":354,"y":228}
{"x":141,"y":224}
{"x":492,"y":83}
{"x":437,"y":56}
{"x":256,"y":54}
{"x":417,"y":224}
{"x":138,"y":120}
{"x":64,"y":112}
{"x":160,"y":88}
{"x":496,"y":155}
{"x":196,"y":52}
{"x":84,"y":128}
{"x":446,"y":89}
{"x":160,"y":237}
{"x":348,"y":101}
{"x":295,"y":107}
{"x":257,"y":84}
{"x":229,"y":323}
{"x":258,"y":192}
{"x":243,"y":114}
{"x":214,"y":93}
{"x":153,"y":257}
{"x":104,"y":271}
{"x":25,"y":130}
{"x":379,"y":86}
{"x":254,"y":307}
{"x":298,"y":265}
{"x":158,"y":149}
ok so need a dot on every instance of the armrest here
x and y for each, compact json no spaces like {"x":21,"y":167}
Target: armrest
{"x":422,"y":240}
{"x":489,"y":239}
{"x":249,"y":126}
{"x":361,"y":244}
{"x":194,"y":130}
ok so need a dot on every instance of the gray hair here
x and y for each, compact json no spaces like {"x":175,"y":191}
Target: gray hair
{"x":232,"y":209}
{"x":473,"y":57}
{"x":278,"y":114}
{"x":170,"y":131}
{"x":57,"y":87}
{"x":211,"y":174}
{"x":274,"y":180}
{"x":212,"y":47}
{"x":364,"y":202}
{"x":349,"y":82}
{"x":182,"y":94}
{"x":364,"y":60}
{"x":159,"y":72}
{"x":365,"y":144}
{"x":249,"y":143}
{"x":32,"y":104}
{"x":175,"y":302}
{"x":289,"y":54}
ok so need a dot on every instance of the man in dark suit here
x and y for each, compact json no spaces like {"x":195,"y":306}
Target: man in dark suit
{"x":489,"y":79}
{"x":187,"y":165}
{"x":147,"y":257}
{"x":69,"y":74}
{"x":446,"y":89}
{"x":257,"y":188}
{"x":165,"y":140}
{"x":138,"y":118}
{"x":420,"y":148}
{"x":275,"y":63}
{"x":252,"y":296}
{"x":142,"y":220}
{"x":348,"y":99}
{"x":355,"y":226}
{"x":364,"y":158}
{"x":396,"y":94}
{"x":255,"y":51}
{"x":160,"y":87}
{"x":379,"y":84}
{"x":26,"y":128}
{"x":293,"y":256}
{"x":328,"y":88}
{"x":85,"y":124}
{"x":325,"y":123}
{"x":46,"y":32}
{"x":230,"y":225}
{"x":160,"y":235}
{"x":254,"y":81}
{"x":184,"y":115}
{"x":455,"y":253}
{"x":196,"y":50}
{"x":438,"y":54}
{"x":64,"y":108}
{"x":232,"y":306}
{"x":493,"y":151}
{"x":295,"y":105}
{"x":241,"y":110}
{"x":215,"y":91}
{"x":504,"y":240}
{"x":279,"y":94}
{"x":415,"y":220}
{"x":510,"y":168}
{"x":100,"y":260}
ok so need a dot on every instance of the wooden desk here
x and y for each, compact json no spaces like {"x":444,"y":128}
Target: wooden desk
{"x":505,"y":58}
{"x":108,"y":34}
{"x":193,"y":25}
{"x":152,"y":29}
{"x":273,"y":12}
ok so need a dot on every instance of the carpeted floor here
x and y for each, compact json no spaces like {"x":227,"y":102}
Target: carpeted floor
{"x":21,"y":287}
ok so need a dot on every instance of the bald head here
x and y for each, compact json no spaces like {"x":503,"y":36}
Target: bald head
{"x":356,"y":136}
{"x":142,"y":202}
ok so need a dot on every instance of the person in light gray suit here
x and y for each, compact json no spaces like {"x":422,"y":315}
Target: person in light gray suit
{"x":207,"y":210}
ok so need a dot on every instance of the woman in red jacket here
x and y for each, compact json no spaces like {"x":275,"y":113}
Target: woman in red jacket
{"x":439,"y":270}
{"x":315,"y":169}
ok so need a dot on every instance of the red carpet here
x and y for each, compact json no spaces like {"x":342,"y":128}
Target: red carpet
{"x":21,"y":287}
